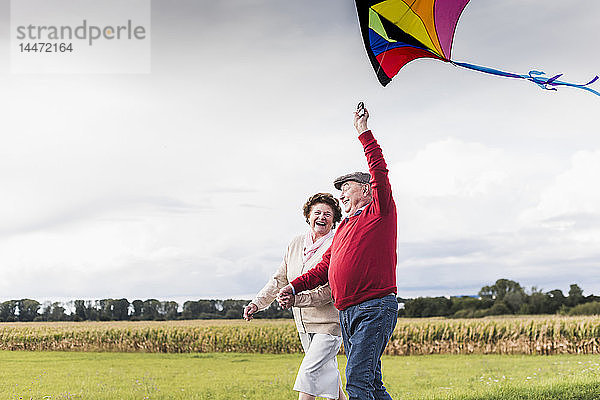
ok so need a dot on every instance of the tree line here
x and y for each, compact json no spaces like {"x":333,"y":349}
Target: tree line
{"x":503,"y":297}
{"x":27,"y":310}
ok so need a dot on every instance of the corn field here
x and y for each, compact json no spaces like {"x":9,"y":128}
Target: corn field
{"x":527,"y":335}
{"x":153,"y":337}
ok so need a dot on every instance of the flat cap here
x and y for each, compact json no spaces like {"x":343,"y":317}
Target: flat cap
{"x":360,"y":177}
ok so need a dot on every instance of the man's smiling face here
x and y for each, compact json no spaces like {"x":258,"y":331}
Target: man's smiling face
{"x":354,"y":196}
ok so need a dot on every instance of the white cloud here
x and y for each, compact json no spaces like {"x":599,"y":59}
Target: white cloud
{"x":452,"y":188}
{"x":452,"y":168}
{"x":573,"y":192}
{"x":471,"y":214}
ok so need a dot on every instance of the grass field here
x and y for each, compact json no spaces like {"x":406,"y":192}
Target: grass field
{"x":104,"y":376}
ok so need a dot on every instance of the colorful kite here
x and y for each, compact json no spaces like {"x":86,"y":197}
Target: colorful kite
{"x":396,"y":32}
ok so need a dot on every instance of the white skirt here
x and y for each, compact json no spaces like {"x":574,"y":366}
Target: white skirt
{"x":318,"y":374}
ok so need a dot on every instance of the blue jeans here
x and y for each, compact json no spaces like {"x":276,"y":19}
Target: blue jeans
{"x":366,"y":329}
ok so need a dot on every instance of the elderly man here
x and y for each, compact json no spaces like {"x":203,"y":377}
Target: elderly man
{"x":360,"y":266}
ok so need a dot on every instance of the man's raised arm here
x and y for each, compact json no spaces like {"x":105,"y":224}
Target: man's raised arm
{"x":380,"y":183}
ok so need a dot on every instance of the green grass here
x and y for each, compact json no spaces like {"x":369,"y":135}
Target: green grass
{"x":493,"y":377}
{"x":75,"y":375}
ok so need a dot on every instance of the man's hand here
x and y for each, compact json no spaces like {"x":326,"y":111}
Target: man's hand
{"x":286,"y":297}
{"x":360,"y":121}
{"x":249,"y":311}
{"x":286,"y":301}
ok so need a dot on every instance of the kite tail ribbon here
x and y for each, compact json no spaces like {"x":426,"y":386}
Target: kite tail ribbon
{"x":536,"y":77}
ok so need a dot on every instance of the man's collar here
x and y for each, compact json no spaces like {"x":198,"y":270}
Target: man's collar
{"x":360,"y":210}
{"x":357,"y":212}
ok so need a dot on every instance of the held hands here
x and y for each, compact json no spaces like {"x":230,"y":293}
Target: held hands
{"x":249,"y":311}
{"x":286,"y":297}
{"x":360,"y":121}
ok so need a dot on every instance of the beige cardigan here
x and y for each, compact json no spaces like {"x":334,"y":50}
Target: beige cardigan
{"x":313,"y":311}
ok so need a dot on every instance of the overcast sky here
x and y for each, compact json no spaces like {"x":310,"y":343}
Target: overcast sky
{"x":188,"y":182}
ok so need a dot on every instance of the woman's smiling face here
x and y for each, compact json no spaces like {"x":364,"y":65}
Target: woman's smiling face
{"x":320,"y":219}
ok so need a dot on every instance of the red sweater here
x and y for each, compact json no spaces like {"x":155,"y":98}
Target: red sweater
{"x":361,"y":262}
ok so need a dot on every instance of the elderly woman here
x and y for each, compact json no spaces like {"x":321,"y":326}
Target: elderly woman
{"x":316,"y":318}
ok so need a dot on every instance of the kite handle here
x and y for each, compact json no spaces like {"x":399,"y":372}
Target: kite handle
{"x":360,"y":109}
